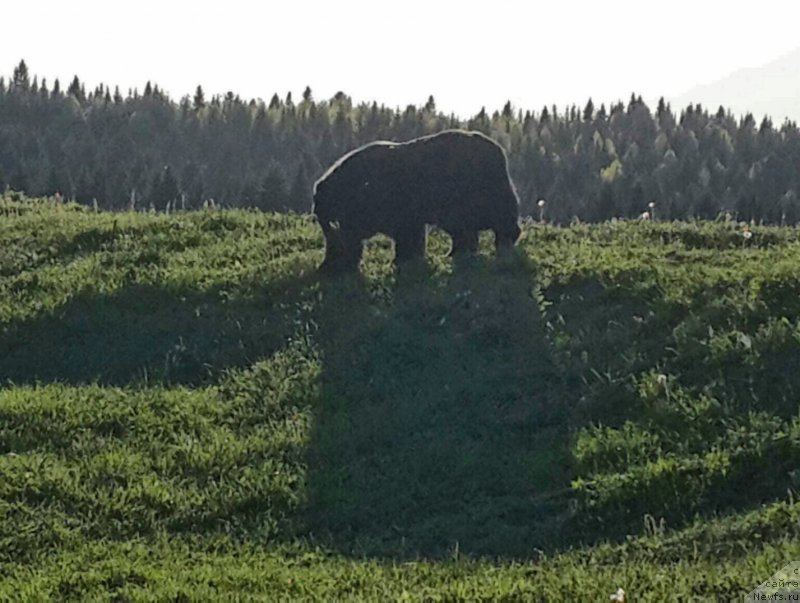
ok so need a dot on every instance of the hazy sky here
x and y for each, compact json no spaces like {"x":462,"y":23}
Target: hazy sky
{"x":467,"y":54}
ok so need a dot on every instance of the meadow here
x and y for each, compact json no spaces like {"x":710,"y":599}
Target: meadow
{"x":189,"y":412}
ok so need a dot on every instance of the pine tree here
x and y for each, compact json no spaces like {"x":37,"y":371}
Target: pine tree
{"x":707,"y":207}
{"x":662,"y":107}
{"x":21,"y":79}
{"x":199,"y":100}
{"x":300,"y":193}
{"x":273,"y":195}
{"x":275,"y":102}
{"x":76,"y":91}
{"x":430,"y":106}
{"x":632,"y":103}
{"x":605,"y":208}
{"x":165,"y":188}
{"x":588,"y":111}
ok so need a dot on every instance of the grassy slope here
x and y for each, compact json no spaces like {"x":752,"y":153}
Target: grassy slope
{"x":188,"y":411}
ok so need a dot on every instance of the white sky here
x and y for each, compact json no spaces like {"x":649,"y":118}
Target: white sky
{"x":467,"y":54}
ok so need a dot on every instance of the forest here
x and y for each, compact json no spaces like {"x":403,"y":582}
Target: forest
{"x":143,"y":150}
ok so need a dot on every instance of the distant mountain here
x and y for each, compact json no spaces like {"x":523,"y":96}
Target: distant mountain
{"x":773,"y":89}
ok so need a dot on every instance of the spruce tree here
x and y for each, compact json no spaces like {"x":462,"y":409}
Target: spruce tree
{"x":300,"y":193}
{"x":21,"y":79}
{"x":588,"y":111}
{"x":545,"y":115}
{"x":273,"y":195}
{"x":165,"y":188}
{"x":199,"y":100}
{"x":76,"y":91}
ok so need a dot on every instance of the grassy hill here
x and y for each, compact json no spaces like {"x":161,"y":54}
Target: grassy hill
{"x":187,"y":412}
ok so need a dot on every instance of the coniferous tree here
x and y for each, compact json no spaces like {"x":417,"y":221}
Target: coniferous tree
{"x":21,"y":80}
{"x":76,"y":91}
{"x":274,"y":195}
{"x":165,"y":188}
{"x":588,"y":111}
{"x":199,"y":100}
{"x":300,"y":193}
{"x":430,"y":105}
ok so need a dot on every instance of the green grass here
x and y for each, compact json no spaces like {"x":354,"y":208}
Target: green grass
{"x":188,"y":412}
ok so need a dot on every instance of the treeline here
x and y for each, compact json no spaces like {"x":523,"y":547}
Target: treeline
{"x":142,"y":150}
